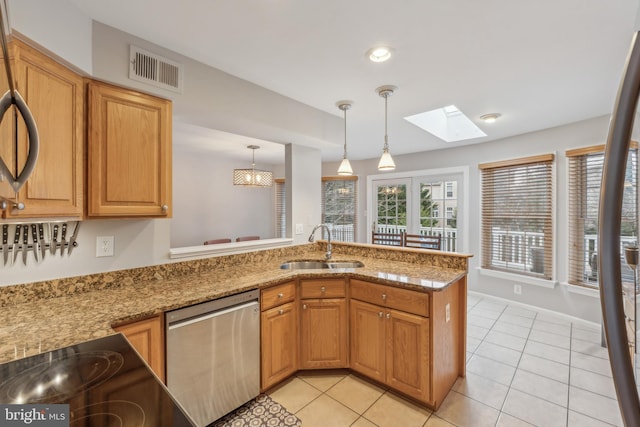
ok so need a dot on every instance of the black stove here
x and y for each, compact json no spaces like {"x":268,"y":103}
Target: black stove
{"x":104,"y":382}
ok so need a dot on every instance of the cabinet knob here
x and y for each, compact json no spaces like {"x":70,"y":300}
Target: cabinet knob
{"x":384,"y":297}
{"x":388,"y":315}
{"x":280,"y":311}
{"x":164,"y":208}
{"x":280,"y":295}
{"x":304,"y":306}
{"x":380,"y":314}
{"x":323,"y":289}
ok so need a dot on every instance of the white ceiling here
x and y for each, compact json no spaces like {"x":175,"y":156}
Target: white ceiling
{"x":538,"y":63}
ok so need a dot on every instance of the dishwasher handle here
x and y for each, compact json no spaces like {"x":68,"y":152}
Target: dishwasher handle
{"x":189,"y":321}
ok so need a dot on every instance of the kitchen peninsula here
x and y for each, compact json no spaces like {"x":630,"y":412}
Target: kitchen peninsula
{"x":421,"y":293}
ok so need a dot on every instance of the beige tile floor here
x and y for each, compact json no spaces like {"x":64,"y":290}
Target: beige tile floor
{"x":524,"y":368}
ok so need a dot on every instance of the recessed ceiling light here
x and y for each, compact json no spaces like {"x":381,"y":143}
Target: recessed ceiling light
{"x":490,"y":118}
{"x":379,"y":54}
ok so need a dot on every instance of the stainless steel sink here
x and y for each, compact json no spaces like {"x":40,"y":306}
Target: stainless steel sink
{"x":317,"y":264}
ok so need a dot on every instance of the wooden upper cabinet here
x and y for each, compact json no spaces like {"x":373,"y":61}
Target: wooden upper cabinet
{"x":129,"y":153}
{"x":55,"y":96}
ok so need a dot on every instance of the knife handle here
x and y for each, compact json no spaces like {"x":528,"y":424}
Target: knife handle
{"x":5,"y":233}
{"x":16,"y":237}
{"x":34,"y":233}
{"x":25,"y":235}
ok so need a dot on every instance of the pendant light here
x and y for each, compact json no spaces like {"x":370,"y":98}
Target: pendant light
{"x":252,"y":177}
{"x":386,"y":162}
{"x":345,"y":166}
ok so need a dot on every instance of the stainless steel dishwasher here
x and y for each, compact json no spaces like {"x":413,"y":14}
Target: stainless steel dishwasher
{"x":213,"y":355}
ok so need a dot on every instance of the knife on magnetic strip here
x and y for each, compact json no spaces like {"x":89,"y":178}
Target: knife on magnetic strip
{"x":74,"y":236}
{"x":16,"y":243}
{"x":41,"y":243}
{"x":5,"y":245}
{"x":25,"y":243}
{"x":53,"y":244}
{"x":34,"y":236}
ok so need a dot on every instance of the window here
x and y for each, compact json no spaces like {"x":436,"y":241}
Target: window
{"x":449,"y":212}
{"x":340,"y":207}
{"x":418,"y":204}
{"x":391,"y":213}
{"x":585,"y":175}
{"x":281,"y":208}
{"x":517,"y":216}
{"x":450,"y":190}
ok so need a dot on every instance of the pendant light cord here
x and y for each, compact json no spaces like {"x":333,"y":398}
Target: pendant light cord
{"x":345,"y":132}
{"x":386,"y":137}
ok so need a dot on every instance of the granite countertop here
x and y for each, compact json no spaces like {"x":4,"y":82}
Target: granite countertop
{"x":44,"y":324}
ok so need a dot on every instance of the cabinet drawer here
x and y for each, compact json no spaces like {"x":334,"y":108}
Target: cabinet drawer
{"x":276,"y":295}
{"x":388,"y":296}
{"x":322,"y":288}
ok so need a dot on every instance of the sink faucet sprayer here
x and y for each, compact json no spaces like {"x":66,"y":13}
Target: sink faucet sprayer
{"x":311,"y":238}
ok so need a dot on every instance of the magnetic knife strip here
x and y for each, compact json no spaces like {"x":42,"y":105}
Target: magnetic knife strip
{"x":40,"y":239}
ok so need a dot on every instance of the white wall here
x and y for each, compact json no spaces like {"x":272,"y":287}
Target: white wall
{"x":57,"y":26}
{"x":555,"y":140}
{"x":206,"y":204}
{"x":303,"y":187}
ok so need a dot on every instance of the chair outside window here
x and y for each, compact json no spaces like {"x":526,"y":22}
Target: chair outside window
{"x":246,"y":238}
{"x":389,"y":239}
{"x":424,"y":242}
{"x":216,"y":241}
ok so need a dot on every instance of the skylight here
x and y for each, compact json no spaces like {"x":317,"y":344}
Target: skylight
{"x":447,"y":123}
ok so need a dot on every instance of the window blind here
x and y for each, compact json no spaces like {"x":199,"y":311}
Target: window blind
{"x":340,"y":207}
{"x":585,"y":175}
{"x":517,"y":216}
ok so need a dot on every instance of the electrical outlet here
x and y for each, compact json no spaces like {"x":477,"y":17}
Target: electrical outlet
{"x":104,"y":246}
{"x":299,"y":228}
{"x":517,"y":289}
{"x":447,"y":313}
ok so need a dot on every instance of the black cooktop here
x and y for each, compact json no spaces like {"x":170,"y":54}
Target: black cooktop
{"x":104,"y":382}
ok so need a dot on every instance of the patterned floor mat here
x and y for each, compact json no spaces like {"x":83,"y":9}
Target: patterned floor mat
{"x":259,"y":412}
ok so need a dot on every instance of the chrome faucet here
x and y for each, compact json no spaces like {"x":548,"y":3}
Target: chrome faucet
{"x":311,"y":238}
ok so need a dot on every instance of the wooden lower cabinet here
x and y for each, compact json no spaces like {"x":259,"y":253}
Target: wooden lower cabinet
{"x":147,"y":337}
{"x":391,"y":347}
{"x":367,"y":337}
{"x":323,"y":333}
{"x":279,"y":337}
{"x":407,"y":354}
{"x":411,"y":341}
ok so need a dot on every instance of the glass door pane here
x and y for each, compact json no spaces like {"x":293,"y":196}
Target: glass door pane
{"x":438,"y":209}
{"x":392,"y":205}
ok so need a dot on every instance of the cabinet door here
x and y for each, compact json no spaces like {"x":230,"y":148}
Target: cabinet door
{"x":323,"y":334}
{"x":279,"y":338}
{"x":55,"y":96}
{"x":146,"y":336}
{"x":129,"y":153}
{"x":407,"y":362}
{"x":367,"y":336}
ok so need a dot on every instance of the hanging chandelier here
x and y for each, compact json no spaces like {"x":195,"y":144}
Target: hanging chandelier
{"x":252,"y":177}
{"x":345,"y":166}
{"x":386,"y":161}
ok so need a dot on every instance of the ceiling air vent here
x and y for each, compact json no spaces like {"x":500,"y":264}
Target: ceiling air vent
{"x":153,"y":69}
